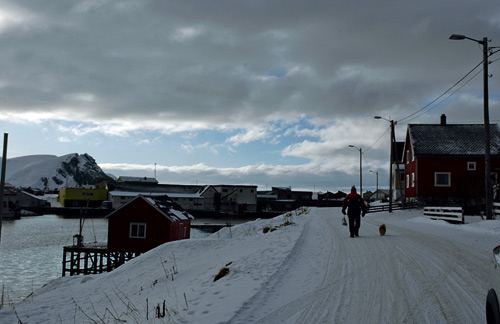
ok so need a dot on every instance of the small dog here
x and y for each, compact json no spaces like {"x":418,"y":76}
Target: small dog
{"x":382,"y":230}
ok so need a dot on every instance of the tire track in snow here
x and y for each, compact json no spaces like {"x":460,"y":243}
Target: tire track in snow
{"x":408,"y":276}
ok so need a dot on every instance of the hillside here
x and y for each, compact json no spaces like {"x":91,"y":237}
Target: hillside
{"x":50,"y":172}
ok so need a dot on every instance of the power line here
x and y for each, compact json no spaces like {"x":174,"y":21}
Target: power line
{"x":378,"y":139}
{"x":433,"y":101}
{"x":441,"y":95}
{"x":451,"y":94}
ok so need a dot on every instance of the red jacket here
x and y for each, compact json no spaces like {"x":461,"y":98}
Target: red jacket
{"x":354,"y":204}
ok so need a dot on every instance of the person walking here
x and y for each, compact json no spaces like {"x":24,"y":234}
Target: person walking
{"x":356,"y":207}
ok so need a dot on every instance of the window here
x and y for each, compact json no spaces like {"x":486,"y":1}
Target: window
{"x":407,"y":181}
{"x":471,"y":166}
{"x":413,"y":179}
{"x":137,"y":230}
{"x":494,"y":178}
{"x":182,"y":230}
{"x":442,"y":179}
{"x":407,"y":156}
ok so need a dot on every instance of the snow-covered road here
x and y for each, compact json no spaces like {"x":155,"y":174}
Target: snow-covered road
{"x":421,"y":271}
{"x":417,"y":273}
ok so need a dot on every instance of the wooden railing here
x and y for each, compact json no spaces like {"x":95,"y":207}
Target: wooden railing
{"x":397,"y":206}
{"x":496,"y":208}
{"x":454,"y":214}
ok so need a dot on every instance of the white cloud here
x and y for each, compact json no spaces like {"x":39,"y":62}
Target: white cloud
{"x":250,"y":135}
{"x":186,"y":33}
{"x":63,"y":139}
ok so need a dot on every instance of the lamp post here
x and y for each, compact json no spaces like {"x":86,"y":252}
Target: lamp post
{"x":391,"y":158}
{"x":360,"y":169}
{"x":487,"y":162}
{"x":2,"y":178}
{"x":376,"y":172}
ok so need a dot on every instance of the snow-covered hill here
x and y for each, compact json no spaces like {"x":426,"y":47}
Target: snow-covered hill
{"x":49,"y":172}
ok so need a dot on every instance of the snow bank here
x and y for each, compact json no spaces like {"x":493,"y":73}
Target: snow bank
{"x":179,"y":275}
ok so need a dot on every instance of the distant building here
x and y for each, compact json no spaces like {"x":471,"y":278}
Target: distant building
{"x":282,"y":199}
{"x":228,"y":199}
{"x":82,"y":197}
{"x":331,"y":196}
{"x":398,"y":171}
{"x":235,"y":199}
{"x":140,"y":180}
{"x":10,"y":209}
{"x":380,"y":194}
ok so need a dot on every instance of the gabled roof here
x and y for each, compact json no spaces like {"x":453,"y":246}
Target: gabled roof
{"x":137,"y":179}
{"x":169,"y":208}
{"x":164,"y":205}
{"x":455,"y":139}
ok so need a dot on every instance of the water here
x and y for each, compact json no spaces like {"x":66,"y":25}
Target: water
{"x":31,"y":250}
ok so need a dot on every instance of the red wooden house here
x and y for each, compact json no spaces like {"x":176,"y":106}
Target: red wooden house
{"x":145,"y":223}
{"x":445,"y":163}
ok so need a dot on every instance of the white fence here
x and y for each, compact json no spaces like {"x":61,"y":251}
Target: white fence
{"x":496,"y":209}
{"x":454,"y":214}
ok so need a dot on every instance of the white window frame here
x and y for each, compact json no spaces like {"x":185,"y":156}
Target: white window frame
{"x":135,"y":231}
{"x":413,"y":179}
{"x":436,"y":174}
{"x":407,"y":156}
{"x":408,"y":181}
{"x":471,"y":166}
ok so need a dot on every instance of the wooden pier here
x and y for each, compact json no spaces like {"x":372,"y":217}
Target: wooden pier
{"x":91,"y":260}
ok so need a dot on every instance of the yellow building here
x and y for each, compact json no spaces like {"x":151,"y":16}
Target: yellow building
{"x":82,"y":197}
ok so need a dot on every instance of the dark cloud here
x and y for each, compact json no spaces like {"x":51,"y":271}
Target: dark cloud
{"x":245,"y":66}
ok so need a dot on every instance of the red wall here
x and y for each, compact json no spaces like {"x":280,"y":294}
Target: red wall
{"x":159,"y":229}
{"x":464,"y":183}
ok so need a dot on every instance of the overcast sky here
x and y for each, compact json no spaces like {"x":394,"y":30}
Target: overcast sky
{"x":269,"y":93}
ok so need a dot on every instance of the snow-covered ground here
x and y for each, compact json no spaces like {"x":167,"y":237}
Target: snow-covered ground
{"x":421,"y":271}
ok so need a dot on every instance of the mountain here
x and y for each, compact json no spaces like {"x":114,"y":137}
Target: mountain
{"x":50,"y":172}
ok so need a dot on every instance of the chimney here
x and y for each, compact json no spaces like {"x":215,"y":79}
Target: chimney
{"x":443,"y":119}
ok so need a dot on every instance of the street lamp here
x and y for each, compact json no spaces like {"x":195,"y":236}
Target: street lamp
{"x":360,"y":169}
{"x":391,"y":158}
{"x":487,"y":162}
{"x":376,"y":172}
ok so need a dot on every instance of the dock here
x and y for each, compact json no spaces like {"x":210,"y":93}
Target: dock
{"x":81,"y":260}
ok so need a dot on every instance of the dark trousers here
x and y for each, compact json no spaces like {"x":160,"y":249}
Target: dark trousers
{"x":354,"y":223}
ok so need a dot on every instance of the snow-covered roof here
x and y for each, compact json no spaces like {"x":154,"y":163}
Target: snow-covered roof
{"x":137,"y":179}
{"x":120,"y":193}
{"x":169,"y":208}
{"x":164,"y":205}
{"x":455,"y":139}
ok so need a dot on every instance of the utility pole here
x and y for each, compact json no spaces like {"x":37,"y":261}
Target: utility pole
{"x":376,"y":173}
{"x":360,"y":168}
{"x":361,"y":172}
{"x":391,"y":159}
{"x":2,"y":181}
{"x":487,"y":161}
